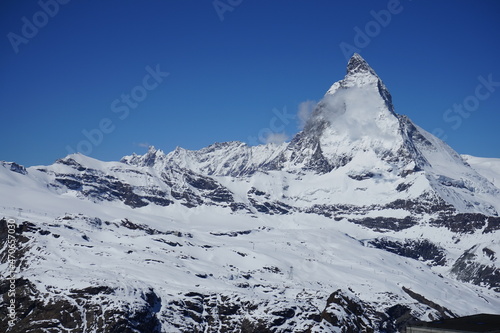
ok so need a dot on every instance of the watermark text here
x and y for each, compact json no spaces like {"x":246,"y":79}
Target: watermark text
{"x":364,"y":36}
{"x":11,"y":276}
{"x":223,"y":6}
{"x":470,"y":104}
{"x":31,"y":27}
{"x":121,"y":107}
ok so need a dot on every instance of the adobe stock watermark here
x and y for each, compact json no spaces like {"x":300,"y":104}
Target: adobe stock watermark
{"x":275,"y":132}
{"x":30,"y":28}
{"x":223,"y":6}
{"x":455,"y":115}
{"x":11,"y":276}
{"x":363,"y":37}
{"x":121,"y":107}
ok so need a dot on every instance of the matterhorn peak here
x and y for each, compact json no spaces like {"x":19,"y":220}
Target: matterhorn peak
{"x":358,"y":105}
{"x":358,"y":65}
{"x":359,"y":74}
{"x":415,"y":230}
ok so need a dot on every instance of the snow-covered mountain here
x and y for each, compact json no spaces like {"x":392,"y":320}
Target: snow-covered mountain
{"x":487,"y":167}
{"x":363,"y":222}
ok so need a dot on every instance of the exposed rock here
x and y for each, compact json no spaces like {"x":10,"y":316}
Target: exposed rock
{"x":421,"y":249}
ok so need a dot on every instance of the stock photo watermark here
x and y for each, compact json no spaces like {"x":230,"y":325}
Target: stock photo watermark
{"x":470,"y":104}
{"x":121,"y":107}
{"x":275,"y":132}
{"x":223,"y":6}
{"x":11,"y":272}
{"x":31,"y":27}
{"x":364,"y":36}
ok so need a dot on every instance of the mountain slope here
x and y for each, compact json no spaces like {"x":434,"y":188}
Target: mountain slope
{"x":353,"y":131}
{"x":488,"y":167}
{"x":362,"y":222}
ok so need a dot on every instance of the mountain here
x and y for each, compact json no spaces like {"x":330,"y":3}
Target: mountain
{"x":487,"y":167}
{"x":362,"y":222}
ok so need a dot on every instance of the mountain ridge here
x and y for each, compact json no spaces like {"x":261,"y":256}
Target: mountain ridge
{"x":362,"y":222}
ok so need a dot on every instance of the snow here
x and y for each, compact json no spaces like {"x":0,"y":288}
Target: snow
{"x":209,"y":248}
{"x":317,"y":250}
{"x":487,"y":167}
{"x":455,"y":181}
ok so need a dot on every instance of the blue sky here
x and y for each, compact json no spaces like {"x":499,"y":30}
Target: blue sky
{"x":110,"y":77}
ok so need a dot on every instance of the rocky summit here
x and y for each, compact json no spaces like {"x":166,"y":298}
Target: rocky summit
{"x":363,"y":222}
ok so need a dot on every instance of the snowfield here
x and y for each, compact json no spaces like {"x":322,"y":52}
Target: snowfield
{"x":363,"y":222}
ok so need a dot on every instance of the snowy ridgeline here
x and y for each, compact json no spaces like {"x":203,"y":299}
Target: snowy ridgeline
{"x":363,"y":221}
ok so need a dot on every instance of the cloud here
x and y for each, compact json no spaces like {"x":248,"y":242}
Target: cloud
{"x":304,"y":113}
{"x":360,"y":113}
{"x":276,"y":138}
{"x":142,"y":144}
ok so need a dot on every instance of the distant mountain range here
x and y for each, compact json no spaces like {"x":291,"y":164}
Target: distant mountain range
{"x":363,"y":222}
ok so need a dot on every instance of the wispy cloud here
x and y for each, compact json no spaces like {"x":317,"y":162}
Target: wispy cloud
{"x":357,"y":114}
{"x":276,"y":138}
{"x":304,"y":112}
{"x":142,"y":144}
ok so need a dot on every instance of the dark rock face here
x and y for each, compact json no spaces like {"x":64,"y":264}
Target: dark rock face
{"x":202,"y":183}
{"x":232,"y":234}
{"x":221,"y":195}
{"x":354,"y":314}
{"x":398,"y":316}
{"x":403,"y":187}
{"x":271,"y":208}
{"x":98,"y":186}
{"x":263,"y":203}
{"x":413,"y":138}
{"x":94,"y":185}
{"x":299,"y":148}
{"x":463,"y":222}
{"x":158,"y":197}
{"x":14,"y":167}
{"x":444,"y":313}
{"x":489,"y":253}
{"x":150,"y":231}
{"x":468,"y":269}
{"x":362,"y":176}
{"x":493,"y":224}
{"x":18,"y":168}
{"x":91,"y":309}
{"x":212,"y":312}
{"x":357,"y":64}
{"x":232,"y":314}
{"x":318,"y":162}
{"x":71,"y":184}
{"x":425,"y":204}
{"x":64,"y":314}
{"x":386,"y":223}
{"x":416,"y":249}
{"x":72,"y":163}
{"x":35,"y":312}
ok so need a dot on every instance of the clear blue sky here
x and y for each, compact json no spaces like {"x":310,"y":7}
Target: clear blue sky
{"x":230,"y":67}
